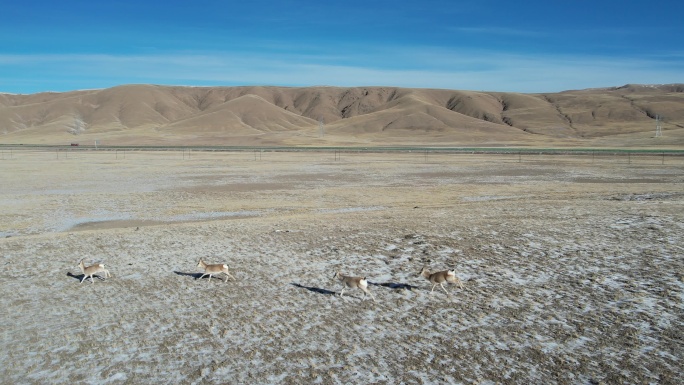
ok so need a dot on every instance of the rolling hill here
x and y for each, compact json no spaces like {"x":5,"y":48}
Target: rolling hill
{"x":331,"y":116}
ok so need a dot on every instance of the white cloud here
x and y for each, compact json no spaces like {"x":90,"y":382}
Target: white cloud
{"x":403,"y":67}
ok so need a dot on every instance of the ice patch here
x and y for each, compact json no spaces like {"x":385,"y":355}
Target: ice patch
{"x":387,"y":248}
{"x":69,"y":223}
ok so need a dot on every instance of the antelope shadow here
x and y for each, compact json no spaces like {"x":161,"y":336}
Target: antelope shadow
{"x":193,"y":275}
{"x":394,"y":285}
{"x":80,"y":277}
{"x":314,"y":289}
{"x":220,"y":277}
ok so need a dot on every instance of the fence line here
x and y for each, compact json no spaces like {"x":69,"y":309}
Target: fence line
{"x":337,"y":154}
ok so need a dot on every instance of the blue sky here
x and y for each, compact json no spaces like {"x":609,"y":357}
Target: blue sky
{"x":488,"y":45}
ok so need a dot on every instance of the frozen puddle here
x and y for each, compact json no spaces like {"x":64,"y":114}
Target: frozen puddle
{"x":90,"y":224}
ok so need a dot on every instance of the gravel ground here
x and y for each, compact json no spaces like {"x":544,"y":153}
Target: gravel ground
{"x":572,"y":268}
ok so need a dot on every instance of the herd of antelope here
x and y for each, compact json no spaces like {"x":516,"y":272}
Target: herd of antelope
{"x":348,"y":282}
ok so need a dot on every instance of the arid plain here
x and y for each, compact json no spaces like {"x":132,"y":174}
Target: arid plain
{"x":572,"y":267}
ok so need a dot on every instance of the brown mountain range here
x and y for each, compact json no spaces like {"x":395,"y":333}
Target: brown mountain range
{"x":333,"y":116}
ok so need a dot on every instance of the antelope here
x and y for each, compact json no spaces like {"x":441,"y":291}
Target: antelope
{"x":438,"y":278}
{"x":214,"y":269}
{"x":353,"y":282}
{"x":92,"y":270}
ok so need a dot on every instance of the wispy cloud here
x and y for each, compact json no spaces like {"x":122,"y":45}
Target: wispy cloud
{"x":424,"y":67}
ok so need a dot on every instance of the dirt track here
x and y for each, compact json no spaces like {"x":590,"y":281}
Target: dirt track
{"x":573,"y":269}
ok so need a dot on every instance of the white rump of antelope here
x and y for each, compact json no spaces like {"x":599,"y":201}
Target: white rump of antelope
{"x":217,"y":268}
{"x":89,"y":271}
{"x":438,"y":278}
{"x":352,"y":283}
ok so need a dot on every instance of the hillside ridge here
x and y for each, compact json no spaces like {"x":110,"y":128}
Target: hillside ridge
{"x":322,"y":115}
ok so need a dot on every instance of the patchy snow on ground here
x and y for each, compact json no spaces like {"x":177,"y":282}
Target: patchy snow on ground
{"x":563,"y":283}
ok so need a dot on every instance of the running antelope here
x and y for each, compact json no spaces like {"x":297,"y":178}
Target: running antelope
{"x":214,"y":269}
{"x":440,"y":277}
{"x":89,"y":271}
{"x":353,"y":282}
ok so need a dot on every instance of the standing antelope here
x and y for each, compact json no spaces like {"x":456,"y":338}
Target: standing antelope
{"x":353,"y":282}
{"x":92,"y":270}
{"x":214,"y":269}
{"x":440,"y":277}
